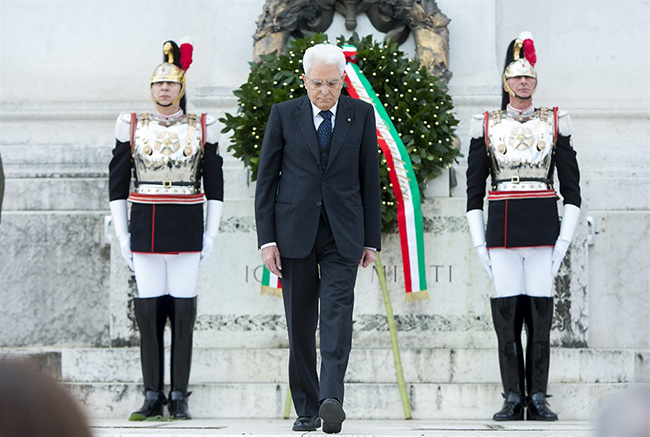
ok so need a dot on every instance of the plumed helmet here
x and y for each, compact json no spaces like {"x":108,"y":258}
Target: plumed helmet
{"x":176,"y":61}
{"x":520,"y":60}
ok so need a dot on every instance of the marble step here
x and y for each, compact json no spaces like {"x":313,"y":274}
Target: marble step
{"x":352,"y":427}
{"x":362,"y":400}
{"x":46,"y":174}
{"x":367,"y":365}
{"x":85,"y":129}
{"x":442,"y":383}
{"x":84,"y":192}
{"x":57,"y":161}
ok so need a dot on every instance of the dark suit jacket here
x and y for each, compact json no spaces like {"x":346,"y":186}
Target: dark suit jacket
{"x":292,"y":188}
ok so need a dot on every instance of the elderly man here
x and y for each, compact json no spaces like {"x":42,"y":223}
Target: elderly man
{"x":317,"y":208}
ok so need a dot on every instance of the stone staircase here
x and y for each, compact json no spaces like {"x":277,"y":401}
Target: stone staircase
{"x":443,"y":384}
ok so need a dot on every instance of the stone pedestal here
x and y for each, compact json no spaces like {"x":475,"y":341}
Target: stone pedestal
{"x":233,"y":313}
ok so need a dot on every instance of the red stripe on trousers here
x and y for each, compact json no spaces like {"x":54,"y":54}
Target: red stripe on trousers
{"x":153,"y":225}
{"x":505,"y":227}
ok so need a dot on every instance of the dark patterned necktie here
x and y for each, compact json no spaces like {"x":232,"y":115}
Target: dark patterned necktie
{"x":325,"y":128}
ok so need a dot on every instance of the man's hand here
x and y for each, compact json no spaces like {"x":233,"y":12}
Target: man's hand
{"x":271,"y":259}
{"x":367,"y":258}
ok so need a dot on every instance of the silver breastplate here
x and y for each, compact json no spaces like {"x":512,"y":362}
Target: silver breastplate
{"x":521,"y":150}
{"x":167,"y":154}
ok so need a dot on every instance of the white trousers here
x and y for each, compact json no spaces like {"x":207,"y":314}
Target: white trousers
{"x":522,"y":271}
{"x":161,"y":274}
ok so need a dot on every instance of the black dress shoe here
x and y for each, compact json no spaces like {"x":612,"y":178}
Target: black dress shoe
{"x":332,"y":414}
{"x":306,"y":423}
{"x":178,"y":405}
{"x":512,"y":409}
{"x":538,"y":408}
{"x":152,"y":406}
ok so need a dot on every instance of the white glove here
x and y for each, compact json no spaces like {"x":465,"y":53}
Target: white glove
{"x":570,"y":217}
{"x":120,"y":223}
{"x":213,"y":217}
{"x":208,"y":243}
{"x":125,"y":247}
{"x":560,"y":249}
{"x":477,"y":230}
{"x":484,"y":255}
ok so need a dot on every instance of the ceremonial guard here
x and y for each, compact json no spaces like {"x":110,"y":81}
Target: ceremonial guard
{"x":172,"y":160}
{"x":521,"y":147}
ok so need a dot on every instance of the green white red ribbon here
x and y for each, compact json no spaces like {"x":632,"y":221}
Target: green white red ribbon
{"x":402,"y":177}
{"x":270,"y":283}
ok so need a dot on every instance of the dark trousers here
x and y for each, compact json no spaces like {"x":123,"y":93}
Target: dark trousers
{"x":302,"y":286}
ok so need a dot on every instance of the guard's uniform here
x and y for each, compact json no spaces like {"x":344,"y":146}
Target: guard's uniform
{"x":524,"y":244}
{"x":168,"y":159}
{"x":172,"y":163}
{"x":520,"y":154}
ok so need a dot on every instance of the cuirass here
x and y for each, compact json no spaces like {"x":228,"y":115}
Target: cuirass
{"x":167,"y":154}
{"x":521,"y":150}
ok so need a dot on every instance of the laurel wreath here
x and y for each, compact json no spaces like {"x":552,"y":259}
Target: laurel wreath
{"x":417,"y":102}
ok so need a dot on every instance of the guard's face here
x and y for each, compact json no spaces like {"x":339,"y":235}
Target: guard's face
{"x":323,"y":83}
{"x":523,"y":86}
{"x":165,"y":92}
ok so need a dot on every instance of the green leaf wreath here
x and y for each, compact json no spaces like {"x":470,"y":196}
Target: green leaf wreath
{"x":418,"y":105}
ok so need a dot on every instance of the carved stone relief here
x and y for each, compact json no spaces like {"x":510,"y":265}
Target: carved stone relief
{"x":282,"y":19}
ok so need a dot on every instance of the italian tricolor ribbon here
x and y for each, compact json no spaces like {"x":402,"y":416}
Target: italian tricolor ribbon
{"x":270,"y":283}
{"x":403,"y":181}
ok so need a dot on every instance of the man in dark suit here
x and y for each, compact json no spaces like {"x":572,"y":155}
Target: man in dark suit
{"x":317,"y":208}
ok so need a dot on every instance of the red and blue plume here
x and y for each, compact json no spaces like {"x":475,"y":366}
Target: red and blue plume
{"x":529,"y":47}
{"x":186,"y":50}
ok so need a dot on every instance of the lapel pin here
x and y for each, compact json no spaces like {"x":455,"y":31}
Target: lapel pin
{"x":349,"y":120}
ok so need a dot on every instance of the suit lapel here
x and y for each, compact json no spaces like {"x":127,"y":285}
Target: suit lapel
{"x":305,"y":120}
{"x":344,"y":119}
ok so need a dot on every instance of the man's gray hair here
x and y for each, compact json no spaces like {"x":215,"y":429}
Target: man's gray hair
{"x":328,"y":54}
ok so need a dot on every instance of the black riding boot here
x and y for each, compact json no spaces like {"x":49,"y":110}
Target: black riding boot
{"x":151,"y":315}
{"x":507,"y":317}
{"x":538,"y":316}
{"x":182,"y":317}
{"x":152,"y":406}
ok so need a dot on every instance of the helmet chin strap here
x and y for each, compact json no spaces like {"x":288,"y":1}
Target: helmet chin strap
{"x":176,"y":100}
{"x":514,"y":94}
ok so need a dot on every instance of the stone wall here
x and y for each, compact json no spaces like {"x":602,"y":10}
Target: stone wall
{"x":69,"y":68}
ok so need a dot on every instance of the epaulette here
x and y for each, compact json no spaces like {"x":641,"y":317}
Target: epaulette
{"x":123,"y":127}
{"x":565,"y":127}
{"x":476,"y":126}
{"x":211,"y":129}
